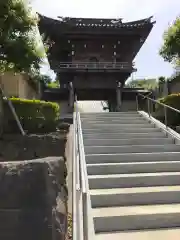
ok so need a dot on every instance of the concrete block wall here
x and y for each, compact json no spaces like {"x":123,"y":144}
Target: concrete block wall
{"x":18,"y":148}
{"x":17,"y":85}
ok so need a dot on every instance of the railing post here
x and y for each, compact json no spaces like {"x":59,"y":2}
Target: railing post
{"x":165,"y":117}
{"x":85,"y":213}
{"x":137,"y":103}
{"x":148,"y":103}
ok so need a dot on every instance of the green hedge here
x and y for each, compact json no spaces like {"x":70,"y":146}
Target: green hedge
{"x":173,"y":118}
{"x":35,"y":115}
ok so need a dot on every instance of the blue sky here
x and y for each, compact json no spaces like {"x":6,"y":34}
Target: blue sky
{"x":148,"y":61}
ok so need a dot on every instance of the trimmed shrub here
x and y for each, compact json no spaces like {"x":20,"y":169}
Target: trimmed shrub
{"x":173,"y":118}
{"x":35,"y":116}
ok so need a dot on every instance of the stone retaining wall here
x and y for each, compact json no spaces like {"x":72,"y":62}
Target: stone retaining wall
{"x":33,"y":191}
{"x":16,"y":147}
{"x":33,"y":199}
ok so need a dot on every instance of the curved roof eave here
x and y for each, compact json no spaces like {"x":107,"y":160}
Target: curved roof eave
{"x":90,"y":21}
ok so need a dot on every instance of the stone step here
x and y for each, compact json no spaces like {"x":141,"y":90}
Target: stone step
{"x":114,"y":121}
{"x":165,"y":234}
{"x":112,"y":114}
{"x":116,"y":126}
{"x":135,"y":167}
{"x":133,"y":174}
{"x":126,"y":135}
{"x":131,"y":149}
{"x":134,"y":180}
{"x":130,"y":141}
{"x":115,"y":116}
{"x":135,"y":196}
{"x":132,"y":157}
{"x":112,"y":118}
{"x":107,"y":114}
{"x":120,"y":130}
{"x":136,"y":217}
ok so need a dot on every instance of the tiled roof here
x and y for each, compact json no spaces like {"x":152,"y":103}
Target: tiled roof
{"x":97,"y":23}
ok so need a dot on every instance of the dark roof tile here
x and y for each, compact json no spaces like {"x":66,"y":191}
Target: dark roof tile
{"x":99,"y":23}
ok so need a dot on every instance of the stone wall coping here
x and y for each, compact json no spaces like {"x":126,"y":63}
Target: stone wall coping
{"x":37,"y":160}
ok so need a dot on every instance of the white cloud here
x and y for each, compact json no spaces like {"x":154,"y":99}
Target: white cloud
{"x":128,"y":9}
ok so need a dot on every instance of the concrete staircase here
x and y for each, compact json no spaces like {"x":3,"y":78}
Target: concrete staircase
{"x":134,"y":177}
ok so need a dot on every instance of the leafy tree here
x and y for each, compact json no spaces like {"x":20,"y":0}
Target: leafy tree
{"x":170,"y":49}
{"x":37,"y":77}
{"x":54,"y":84}
{"x":19,"y":48}
{"x":161,"y":79}
{"x":143,"y":83}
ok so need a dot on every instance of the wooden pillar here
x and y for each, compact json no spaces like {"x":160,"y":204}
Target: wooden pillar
{"x":118,"y":97}
{"x":71,"y":96}
{"x":1,"y":111}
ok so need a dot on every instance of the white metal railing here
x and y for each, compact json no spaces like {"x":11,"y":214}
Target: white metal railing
{"x":83,"y":228}
{"x":96,"y":65}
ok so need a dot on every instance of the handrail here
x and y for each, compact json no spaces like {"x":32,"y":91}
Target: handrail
{"x":76,"y":150}
{"x":81,"y":197}
{"x":77,"y":193}
{"x":150,"y":100}
{"x":82,"y":156}
{"x":78,"y":187}
{"x":80,"y":169}
{"x":74,"y":186}
{"x":158,"y":102}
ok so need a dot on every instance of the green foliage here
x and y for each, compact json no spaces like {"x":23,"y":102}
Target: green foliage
{"x":54,"y":84}
{"x":19,"y":48}
{"x":161,"y":79}
{"x":174,"y":78}
{"x":34,"y":115}
{"x":37,"y":77}
{"x":143,"y":83}
{"x":70,"y":226}
{"x":172,"y":100}
{"x":46,"y":79}
{"x":170,"y":49}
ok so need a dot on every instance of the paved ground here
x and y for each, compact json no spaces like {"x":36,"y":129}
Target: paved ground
{"x":90,"y":106}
